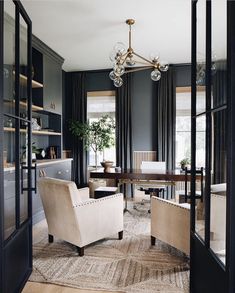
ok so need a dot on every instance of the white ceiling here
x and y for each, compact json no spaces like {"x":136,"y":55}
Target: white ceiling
{"x":84,"y":32}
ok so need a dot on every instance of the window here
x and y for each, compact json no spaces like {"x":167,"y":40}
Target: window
{"x":183,"y":126}
{"x":101,"y":103}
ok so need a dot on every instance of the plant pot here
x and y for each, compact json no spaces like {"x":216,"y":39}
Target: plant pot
{"x":107,"y":165}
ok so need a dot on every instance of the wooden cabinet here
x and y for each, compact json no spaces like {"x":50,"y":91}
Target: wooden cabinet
{"x":52,"y":95}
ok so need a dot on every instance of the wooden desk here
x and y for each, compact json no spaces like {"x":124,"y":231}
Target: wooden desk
{"x":128,"y":174}
{"x":140,"y":177}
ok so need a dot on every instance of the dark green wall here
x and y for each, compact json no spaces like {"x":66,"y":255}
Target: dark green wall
{"x":143,"y":102}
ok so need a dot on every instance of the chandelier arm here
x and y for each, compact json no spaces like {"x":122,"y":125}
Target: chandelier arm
{"x":125,"y":57}
{"x":148,"y":61}
{"x":143,"y":63}
{"x":138,"y":69}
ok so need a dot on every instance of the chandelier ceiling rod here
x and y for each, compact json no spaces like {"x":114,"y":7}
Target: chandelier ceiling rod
{"x":124,"y":59}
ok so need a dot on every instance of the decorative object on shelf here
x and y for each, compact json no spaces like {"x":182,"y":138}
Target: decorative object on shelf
{"x":41,"y":154}
{"x":53,"y":152}
{"x":9,"y":123}
{"x":125,"y":59}
{"x":97,"y":135}
{"x":35,"y":125}
{"x":184,"y":163}
{"x":35,"y":151}
{"x":107,"y":165}
{"x":52,"y":105}
{"x":66,"y":154}
{"x":23,"y":124}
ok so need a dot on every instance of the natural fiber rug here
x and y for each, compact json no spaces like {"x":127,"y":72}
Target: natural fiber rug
{"x":129,"y":265}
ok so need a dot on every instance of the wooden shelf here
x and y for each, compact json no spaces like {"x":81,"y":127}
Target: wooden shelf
{"x":35,"y":132}
{"x":34,"y":107}
{"x":24,"y":105}
{"x":40,"y":132}
{"x":187,"y":89}
{"x":23,"y":81}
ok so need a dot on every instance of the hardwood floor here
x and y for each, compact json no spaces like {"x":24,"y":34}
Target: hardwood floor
{"x":32,"y":287}
{"x":40,"y":232}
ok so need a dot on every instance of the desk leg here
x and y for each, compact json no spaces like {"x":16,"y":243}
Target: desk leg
{"x":124,"y":193}
{"x":125,"y":196}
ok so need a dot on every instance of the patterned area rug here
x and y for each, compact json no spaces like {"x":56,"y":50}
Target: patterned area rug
{"x":129,"y":265}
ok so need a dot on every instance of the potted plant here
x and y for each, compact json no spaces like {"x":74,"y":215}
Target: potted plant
{"x":35,"y":151}
{"x":97,"y":135}
{"x":184,"y":163}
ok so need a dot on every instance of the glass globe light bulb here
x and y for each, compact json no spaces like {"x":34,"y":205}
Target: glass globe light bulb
{"x":118,"y":82}
{"x":112,"y":56}
{"x":155,"y":75}
{"x":130,"y":61}
{"x":119,"y":70}
{"x":164,"y":66}
{"x":119,"y":48}
{"x":112,"y":75}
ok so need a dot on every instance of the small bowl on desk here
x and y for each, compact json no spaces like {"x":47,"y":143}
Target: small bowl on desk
{"x":107,"y":165}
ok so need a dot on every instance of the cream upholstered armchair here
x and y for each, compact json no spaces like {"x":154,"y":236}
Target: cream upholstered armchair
{"x":75,"y":218}
{"x":170,"y":222}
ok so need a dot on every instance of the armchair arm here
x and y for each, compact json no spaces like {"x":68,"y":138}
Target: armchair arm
{"x":100,"y":218}
{"x":83,"y":194}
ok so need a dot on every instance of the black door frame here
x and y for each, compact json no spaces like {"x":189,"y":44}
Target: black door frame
{"x":9,"y":271}
{"x":207,"y":274}
{"x":1,"y":144}
{"x":230,"y":244}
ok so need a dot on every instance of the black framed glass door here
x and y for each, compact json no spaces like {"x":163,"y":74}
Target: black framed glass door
{"x":15,"y":147}
{"x":209,"y":240}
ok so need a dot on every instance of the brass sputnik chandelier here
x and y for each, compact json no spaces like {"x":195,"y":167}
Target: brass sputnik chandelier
{"x":124,"y":60}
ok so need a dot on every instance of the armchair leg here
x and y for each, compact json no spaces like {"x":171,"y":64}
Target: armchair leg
{"x":153,"y":240}
{"x":120,"y":235}
{"x":50,"y":238}
{"x":80,"y":251}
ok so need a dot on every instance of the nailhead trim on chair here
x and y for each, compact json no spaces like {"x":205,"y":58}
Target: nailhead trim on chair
{"x":98,"y":200}
{"x":168,"y":202}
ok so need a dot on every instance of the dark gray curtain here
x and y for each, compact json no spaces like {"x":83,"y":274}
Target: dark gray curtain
{"x":124,"y":124}
{"x":124,"y":127}
{"x":166,"y":118}
{"x":219,"y":88}
{"x":79,"y":113}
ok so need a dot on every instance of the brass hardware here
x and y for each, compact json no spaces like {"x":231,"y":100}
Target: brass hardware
{"x":130,"y":21}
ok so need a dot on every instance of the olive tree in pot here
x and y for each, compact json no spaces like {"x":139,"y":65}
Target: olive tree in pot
{"x":97,"y":135}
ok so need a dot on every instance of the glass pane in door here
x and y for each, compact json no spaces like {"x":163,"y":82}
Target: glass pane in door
{"x":219,"y":186}
{"x":201,"y":57}
{"x":23,"y":173}
{"x":219,"y":53}
{"x":219,"y":129}
{"x":200,"y":163}
{"x":23,"y":96}
{"x":9,"y":67}
{"x":9,"y":179}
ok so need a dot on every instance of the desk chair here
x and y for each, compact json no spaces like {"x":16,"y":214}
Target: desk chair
{"x":156,"y":188}
{"x":154,"y":166}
